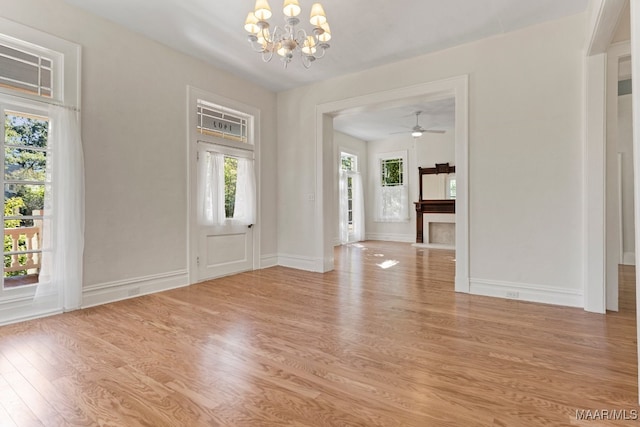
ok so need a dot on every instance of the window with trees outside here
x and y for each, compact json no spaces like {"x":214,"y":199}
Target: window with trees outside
{"x":392,"y":194}
{"x":43,"y":179}
{"x":25,"y":164}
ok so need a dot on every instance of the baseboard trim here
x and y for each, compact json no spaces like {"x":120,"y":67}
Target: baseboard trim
{"x":629,"y":258}
{"x":392,"y":237}
{"x":527,"y":292}
{"x":21,"y":309}
{"x":105,"y":293}
{"x":434,"y":246}
{"x":6,"y":318}
{"x":270,"y":260}
{"x":302,"y":262}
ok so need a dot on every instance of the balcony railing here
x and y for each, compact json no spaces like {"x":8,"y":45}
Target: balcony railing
{"x":30,"y":252}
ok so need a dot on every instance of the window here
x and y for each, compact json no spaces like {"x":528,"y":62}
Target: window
{"x":349,"y":164}
{"x":214,"y":120}
{"x":392,"y":172}
{"x":351,"y":200}
{"x":230,"y":181}
{"x":43,"y":171}
{"x":392,"y":193}
{"x":28,"y":72}
{"x":25,"y":164}
{"x":451,"y":187}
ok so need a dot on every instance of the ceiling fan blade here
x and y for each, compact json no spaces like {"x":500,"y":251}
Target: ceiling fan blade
{"x":433,"y":131}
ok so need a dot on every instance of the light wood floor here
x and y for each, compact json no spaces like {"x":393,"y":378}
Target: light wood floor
{"x":360,"y":346}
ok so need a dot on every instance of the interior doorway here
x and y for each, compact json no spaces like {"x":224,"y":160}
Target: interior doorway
{"x":351,"y":203}
{"x":456,"y":88}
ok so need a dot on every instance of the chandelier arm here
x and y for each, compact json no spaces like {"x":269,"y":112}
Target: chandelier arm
{"x":257,"y":47}
{"x":300,"y":36}
{"x":323,"y":49}
{"x":306,"y":60}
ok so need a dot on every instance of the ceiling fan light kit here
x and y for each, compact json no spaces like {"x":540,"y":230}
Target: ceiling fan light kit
{"x":288,"y":40}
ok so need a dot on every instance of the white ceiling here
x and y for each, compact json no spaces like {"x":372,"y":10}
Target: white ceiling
{"x":373,"y":124}
{"x":366,"y":33}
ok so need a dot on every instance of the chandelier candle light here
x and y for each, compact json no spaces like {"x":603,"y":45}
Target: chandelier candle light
{"x":288,"y":40}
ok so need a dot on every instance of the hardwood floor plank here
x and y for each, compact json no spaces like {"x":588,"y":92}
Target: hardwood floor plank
{"x":15,"y":407}
{"x":359,"y":346}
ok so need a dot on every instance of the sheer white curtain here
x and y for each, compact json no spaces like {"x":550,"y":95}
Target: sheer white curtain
{"x":392,"y":203}
{"x":358,"y":208}
{"x":343,"y":207}
{"x":63,"y":225}
{"x":211,"y":197}
{"x":245,"y":203}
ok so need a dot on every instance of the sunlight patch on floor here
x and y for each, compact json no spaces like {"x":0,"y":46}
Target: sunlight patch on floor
{"x":388,"y":263}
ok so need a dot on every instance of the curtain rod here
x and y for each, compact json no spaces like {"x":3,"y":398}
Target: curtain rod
{"x":45,"y":101}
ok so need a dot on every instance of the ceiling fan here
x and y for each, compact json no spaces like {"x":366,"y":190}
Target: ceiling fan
{"x":418,"y":130}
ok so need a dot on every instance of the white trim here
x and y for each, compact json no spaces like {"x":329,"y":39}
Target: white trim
{"x":594,"y":179}
{"x":629,"y":258}
{"x":253,"y":136}
{"x":613,"y":178}
{"x":391,"y":237}
{"x":635,"y":97}
{"x":301,"y":262}
{"x":457,"y":87}
{"x":434,"y":246}
{"x":527,"y":292}
{"x":16,"y":313}
{"x":604,"y":21}
{"x":620,"y":209}
{"x":21,"y":308}
{"x":270,"y":260}
{"x":118,"y":290}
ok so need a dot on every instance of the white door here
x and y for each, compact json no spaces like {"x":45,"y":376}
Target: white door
{"x":351,"y":202}
{"x":225,"y":240}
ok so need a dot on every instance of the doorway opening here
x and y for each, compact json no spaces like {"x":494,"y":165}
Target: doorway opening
{"x":325,"y":221}
{"x":351,"y":203}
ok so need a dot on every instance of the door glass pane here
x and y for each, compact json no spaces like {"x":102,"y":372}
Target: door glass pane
{"x":24,"y":191}
{"x":24,"y":164}
{"x":230,"y":180}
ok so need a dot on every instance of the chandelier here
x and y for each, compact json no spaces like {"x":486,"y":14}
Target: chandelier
{"x":288,"y":40}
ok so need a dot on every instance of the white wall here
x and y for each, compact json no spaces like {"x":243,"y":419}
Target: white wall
{"x":134,"y":134}
{"x":344,"y":142}
{"x":432,"y":148}
{"x":525,"y":155}
{"x":625,"y":146}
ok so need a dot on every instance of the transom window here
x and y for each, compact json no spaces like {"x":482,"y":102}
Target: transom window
{"x":25,"y":72}
{"x":217,"y":121}
{"x":348,"y":162}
